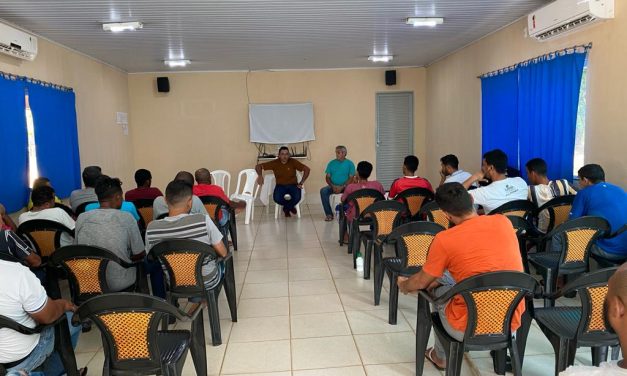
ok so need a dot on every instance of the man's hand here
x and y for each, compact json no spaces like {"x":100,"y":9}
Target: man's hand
{"x":299,"y":185}
{"x":400,"y":281}
{"x":478,"y":176}
{"x":336,"y":189}
{"x":260,"y":179}
{"x":69,"y":306}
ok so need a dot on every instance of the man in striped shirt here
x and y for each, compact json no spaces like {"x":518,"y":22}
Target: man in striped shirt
{"x":13,"y":245}
{"x":179,"y":224}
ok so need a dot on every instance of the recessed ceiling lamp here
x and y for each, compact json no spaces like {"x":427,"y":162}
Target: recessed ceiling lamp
{"x":380,"y":58}
{"x":176,"y":63}
{"x":424,"y":21}
{"x":117,"y":27}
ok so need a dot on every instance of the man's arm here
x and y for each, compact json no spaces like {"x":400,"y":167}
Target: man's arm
{"x":52,"y":310}
{"x":306,"y":171}
{"x":418,"y":281}
{"x":473,"y":179}
{"x":21,"y":250}
{"x":220,"y":248}
{"x":6,"y":219}
{"x":259,"y":169}
{"x":327,"y":178}
{"x":579,"y":206}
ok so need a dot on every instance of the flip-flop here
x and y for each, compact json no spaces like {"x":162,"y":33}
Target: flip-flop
{"x":329,"y":218}
{"x":429,"y":357}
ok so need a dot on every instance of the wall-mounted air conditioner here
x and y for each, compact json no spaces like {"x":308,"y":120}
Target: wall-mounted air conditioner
{"x":564,"y":16}
{"x":17,"y":43}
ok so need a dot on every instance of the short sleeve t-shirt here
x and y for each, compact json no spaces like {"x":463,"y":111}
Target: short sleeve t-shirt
{"x":350,"y":213}
{"x":407,"y":182}
{"x":340,"y":171}
{"x":542,"y":193}
{"x":160,"y":207}
{"x":21,"y":293}
{"x":81,"y":196}
{"x":459,"y":176}
{"x":499,"y":193}
{"x":142,"y":193}
{"x":284,"y":173}
{"x":478,"y":245}
{"x":128,"y":207}
{"x":52,"y":214}
{"x":13,"y":245}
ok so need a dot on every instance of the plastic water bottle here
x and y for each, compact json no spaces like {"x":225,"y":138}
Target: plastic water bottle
{"x":360,"y":263}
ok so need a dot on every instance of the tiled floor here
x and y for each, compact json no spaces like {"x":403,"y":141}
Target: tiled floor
{"x":304,"y":311}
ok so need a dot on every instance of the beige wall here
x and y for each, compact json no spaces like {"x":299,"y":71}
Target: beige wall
{"x":101,"y":91}
{"x":203,"y":121}
{"x":454,"y":93}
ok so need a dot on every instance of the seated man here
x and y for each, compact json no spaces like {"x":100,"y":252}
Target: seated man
{"x":40,"y":182}
{"x":180,"y":224}
{"x":24,"y":300}
{"x":144,"y":191}
{"x":543,"y":190}
{"x":160,"y":207}
{"x":86,"y":195}
{"x":364,"y":169}
{"x":339,"y":173}
{"x":5,"y":220}
{"x":476,"y":245}
{"x":409,"y":180}
{"x":128,"y":207}
{"x":287,"y":192}
{"x":602,"y":199}
{"x":502,"y":189}
{"x":13,"y":245}
{"x":205,"y":188}
{"x":43,"y":208}
{"x":112,"y":229}
{"x":450,"y":172}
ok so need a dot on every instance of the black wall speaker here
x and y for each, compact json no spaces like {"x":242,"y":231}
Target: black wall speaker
{"x":390,"y":77}
{"x":163,"y":85}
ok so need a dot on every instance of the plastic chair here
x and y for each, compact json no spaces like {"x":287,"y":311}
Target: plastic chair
{"x":80,"y":209}
{"x":299,"y":176}
{"x":522,"y":228}
{"x":568,"y":328}
{"x":412,"y":241}
{"x":607,"y":263}
{"x":414,"y":199}
{"x":432,"y":213}
{"x":516,"y":208}
{"x":361,"y":199}
{"x":558,"y":210}
{"x":222,"y":178}
{"x":249,"y":191}
{"x":144,"y":208}
{"x":566,"y":250}
{"x":491,"y":300}
{"x":132,"y":341}
{"x":214,"y":206}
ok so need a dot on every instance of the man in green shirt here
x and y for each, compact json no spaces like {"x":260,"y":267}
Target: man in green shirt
{"x":339,"y":174}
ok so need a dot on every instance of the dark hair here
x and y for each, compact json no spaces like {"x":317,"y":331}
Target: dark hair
{"x":592,"y":172}
{"x":537,"y":165}
{"x":411,"y":163}
{"x":497,"y":159}
{"x":454,"y":199}
{"x":202,"y":176}
{"x":177,"y":191}
{"x":141,"y":176}
{"x":40,"y":182}
{"x":41,"y":195}
{"x":186,"y":177}
{"x":107,"y":187}
{"x":284,"y":148}
{"x":90,"y":175}
{"x":450,"y":160}
{"x":364,"y":169}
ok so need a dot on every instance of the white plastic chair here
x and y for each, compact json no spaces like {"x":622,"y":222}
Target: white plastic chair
{"x":248,"y":193}
{"x":299,"y":176}
{"x":223,"y":179}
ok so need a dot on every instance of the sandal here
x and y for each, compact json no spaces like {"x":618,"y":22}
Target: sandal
{"x":329,"y":218}
{"x":429,"y":355}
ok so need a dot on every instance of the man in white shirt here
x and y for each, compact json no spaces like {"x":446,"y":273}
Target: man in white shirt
{"x":43,"y":208}
{"x":502,"y":189}
{"x":450,"y":172}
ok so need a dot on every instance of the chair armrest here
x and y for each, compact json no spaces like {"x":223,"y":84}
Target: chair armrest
{"x":6,"y":322}
{"x":427,"y":295}
{"x":619,"y":232}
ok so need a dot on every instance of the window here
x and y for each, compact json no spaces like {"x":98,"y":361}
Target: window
{"x":580,"y":131}
{"x":33,"y":171}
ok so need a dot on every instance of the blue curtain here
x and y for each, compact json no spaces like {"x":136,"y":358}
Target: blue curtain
{"x":548,"y":99}
{"x":499,"y":114}
{"x":14,"y":165}
{"x":56,"y":137}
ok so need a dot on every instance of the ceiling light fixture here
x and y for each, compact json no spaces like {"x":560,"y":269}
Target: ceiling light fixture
{"x":117,"y":27}
{"x":424,"y":21}
{"x":176,"y":63}
{"x":380,"y":58}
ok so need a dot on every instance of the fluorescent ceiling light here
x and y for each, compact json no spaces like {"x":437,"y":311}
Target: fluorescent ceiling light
{"x":117,"y":27}
{"x":380,"y":58}
{"x":424,"y":21}
{"x":176,"y":63}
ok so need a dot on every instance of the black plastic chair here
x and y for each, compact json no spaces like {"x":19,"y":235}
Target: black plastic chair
{"x":566,"y":251}
{"x":607,"y":263}
{"x":144,"y":208}
{"x":558,"y":210}
{"x":214,"y":206}
{"x":568,"y":328}
{"x":491,"y":300}
{"x":132,"y":341}
{"x":414,"y":199}
{"x":431,"y":212}
{"x":516,"y":208}
{"x":80,"y":209}
{"x":412,"y":241}
{"x":522,"y":228}
{"x":183,"y":260}
{"x":361,"y":199}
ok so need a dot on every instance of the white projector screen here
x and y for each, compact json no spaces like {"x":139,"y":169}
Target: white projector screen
{"x":281,"y":123}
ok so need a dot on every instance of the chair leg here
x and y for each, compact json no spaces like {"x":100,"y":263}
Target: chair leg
{"x":214,"y":317}
{"x":378,"y":278}
{"x":516,"y":359}
{"x":229,"y":288}
{"x":423,"y":329}
{"x":499,"y":361}
{"x":342,"y":230}
{"x":393,"y":303}
{"x":368,"y":258}
{"x":599,"y":354}
{"x":63,"y":345}
{"x":198,"y":346}
{"x":615,"y":352}
{"x":249,"y":210}
{"x":454,"y":359}
{"x":564,"y":352}
{"x":549,"y":284}
{"x":233,"y":229}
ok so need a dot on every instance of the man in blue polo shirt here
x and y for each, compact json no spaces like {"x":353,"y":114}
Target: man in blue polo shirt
{"x":338,"y":174}
{"x":598,"y":198}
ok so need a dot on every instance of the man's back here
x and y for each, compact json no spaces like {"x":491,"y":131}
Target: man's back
{"x":142,"y":193}
{"x":499,"y":193}
{"x":52,"y":214}
{"x":540,"y":194}
{"x":160,"y":207}
{"x":407,"y":182}
{"x":81,"y":196}
{"x":201,"y":190}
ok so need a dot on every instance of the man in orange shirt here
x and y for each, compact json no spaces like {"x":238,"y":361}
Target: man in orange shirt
{"x":476,"y":245}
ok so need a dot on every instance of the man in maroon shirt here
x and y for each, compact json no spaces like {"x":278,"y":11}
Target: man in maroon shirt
{"x":144,"y":191}
{"x":409,"y":180}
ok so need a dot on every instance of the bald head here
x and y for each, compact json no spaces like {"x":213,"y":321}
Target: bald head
{"x":203,"y":176}
{"x":616,"y":303}
{"x":186,"y":177}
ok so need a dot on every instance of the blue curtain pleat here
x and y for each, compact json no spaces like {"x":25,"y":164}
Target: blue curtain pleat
{"x":56,"y":137}
{"x":14,"y":167}
{"x":548,"y":100}
{"x":499,"y":113}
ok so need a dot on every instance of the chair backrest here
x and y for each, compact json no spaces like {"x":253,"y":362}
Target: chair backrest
{"x":66,"y":209}
{"x":80,"y":209}
{"x":223,"y":179}
{"x":516,"y":208}
{"x":412,"y":241}
{"x":145,"y":209}
{"x":432,"y":213}
{"x":183,"y":259}
{"x":129,"y":324}
{"x":386,"y":215}
{"x":213,"y":205}
{"x":44,"y":235}
{"x":573,"y":239}
{"x":520,"y":225}
{"x":558,"y":209}
{"x":414,"y":199}
{"x":363,"y":198}
{"x":250,"y":176}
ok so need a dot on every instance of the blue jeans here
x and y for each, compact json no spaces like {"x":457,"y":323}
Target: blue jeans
{"x":325,"y":197}
{"x":282,"y":190}
{"x":42,"y":355}
{"x":156,"y":277}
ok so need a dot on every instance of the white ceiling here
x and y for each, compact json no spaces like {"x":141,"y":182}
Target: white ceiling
{"x":263,"y":34}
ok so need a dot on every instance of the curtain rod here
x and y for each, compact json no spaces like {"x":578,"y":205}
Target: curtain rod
{"x":549,"y":55}
{"x":11,"y":76}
